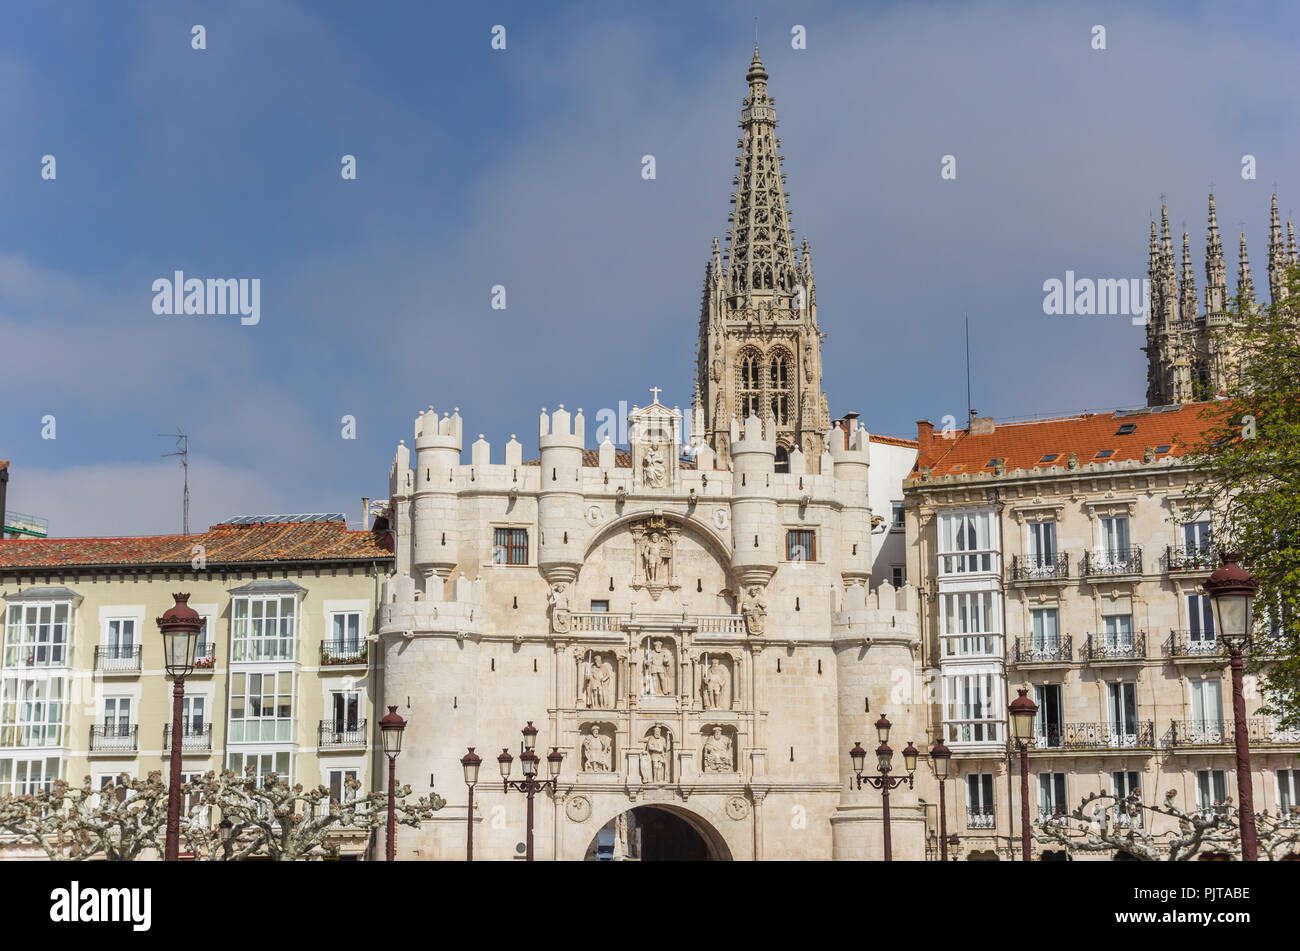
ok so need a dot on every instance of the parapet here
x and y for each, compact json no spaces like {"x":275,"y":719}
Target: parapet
{"x":434,"y":433}
{"x":753,"y":436}
{"x":558,"y":429}
{"x":455,"y":607}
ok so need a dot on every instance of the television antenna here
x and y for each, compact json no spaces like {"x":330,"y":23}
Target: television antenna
{"x":183,"y":451}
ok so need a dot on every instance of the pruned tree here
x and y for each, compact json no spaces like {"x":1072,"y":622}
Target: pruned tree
{"x":270,"y":819}
{"x":1105,"y":822}
{"x":75,"y":823}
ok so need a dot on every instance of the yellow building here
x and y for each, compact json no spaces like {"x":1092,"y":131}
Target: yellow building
{"x":284,"y":680}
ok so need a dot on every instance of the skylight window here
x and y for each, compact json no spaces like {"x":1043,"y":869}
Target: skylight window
{"x":1050,"y":457}
{"x":993,"y":462}
{"x":1160,"y":449}
{"x":1105,"y":453}
{"x":1126,"y":429}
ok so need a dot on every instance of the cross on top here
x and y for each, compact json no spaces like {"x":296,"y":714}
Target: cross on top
{"x":655,"y":391}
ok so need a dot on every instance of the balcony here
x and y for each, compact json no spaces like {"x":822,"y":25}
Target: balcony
{"x":1189,"y":559}
{"x":205,"y":659}
{"x":1051,"y":651}
{"x":342,"y":735}
{"x":1114,"y":648}
{"x":117,"y":659}
{"x":345,"y":653}
{"x":1094,"y":737}
{"x":1111,"y":563}
{"x":195,"y":738}
{"x":1193,"y":645}
{"x":981,"y":817}
{"x":1035,"y":568}
{"x":602,"y":622}
{"x":1218,"y":734}
{"x":114,"y":738}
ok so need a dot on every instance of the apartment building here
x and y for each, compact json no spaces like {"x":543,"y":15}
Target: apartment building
{"x":1062,"y":555}
{"x":284,"y":681}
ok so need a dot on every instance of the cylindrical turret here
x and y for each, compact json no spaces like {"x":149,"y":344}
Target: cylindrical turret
{"x":850,"y":448}
{"x":756,"y":549}
{"x":561,"y":529}
{"x":434,"y":509}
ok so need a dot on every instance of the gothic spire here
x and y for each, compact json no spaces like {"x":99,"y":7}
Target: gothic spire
{"x":1168,"y":276}
{"x":1187,"y":288}
{"x":1292,"y":259}
{"x":761,"y":249}
{"x":1245,"y":284}
{"x":1276,"y":256}
{"x":1216,"y":273}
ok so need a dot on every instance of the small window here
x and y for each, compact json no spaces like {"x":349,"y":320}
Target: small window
{"x":510,"y":546}
{"x":958,"y":467}
{"x":800,"y":545}
{"x":599,"y":607}
{"x":1160,"y":449}
{"x":1105,"y":453}
{"x":993,"y":462}
{"x":898,"y":575}
{"x":1126,"y":429}
{"x":899,"y":521}
{"x":1050,"y":457}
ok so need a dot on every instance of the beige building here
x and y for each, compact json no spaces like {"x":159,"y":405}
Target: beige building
{"x":1061,"y":555}
{"x":285,"y":679}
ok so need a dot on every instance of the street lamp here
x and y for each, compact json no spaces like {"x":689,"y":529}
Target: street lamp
{"x":390,"y":728}
{"x":530,"y":785}
{"x":1024,"y":713}
{"x":940,"y":759}
{"x":470,"y":763}
{"x":180,"y":626}
{"x":1232,"y":593}
{"x":884,"y":763}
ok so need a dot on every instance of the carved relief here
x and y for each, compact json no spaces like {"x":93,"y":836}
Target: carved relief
{"x":715,"y":685}
{"x":597,"y":751}
{"x":657,"y":678}
{"x":656,"y":756}
{"x":719,"y":754}
{"x":754,"y":610}
{"x":559,"y":601}
{"x":656,"y":550}
{"x":578,"y":808}
{"x":597,"y":680}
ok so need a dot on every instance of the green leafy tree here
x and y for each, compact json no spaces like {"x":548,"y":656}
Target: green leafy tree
{"x":1249,"y":482}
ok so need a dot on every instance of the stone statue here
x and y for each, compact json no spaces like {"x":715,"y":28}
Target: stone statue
{"x":591,"y":681}
{"x":656,"y":745}
{"x":605,"y":685}
{"x":717,"y":753}
{"x":559,"y":601}
{"x":658,"y":671}
{"x":653,"y":555}
{"x":755,"y":610}
{"x":597,"y":750}
{"x":654,"y":467}
{"x":717,"y":681}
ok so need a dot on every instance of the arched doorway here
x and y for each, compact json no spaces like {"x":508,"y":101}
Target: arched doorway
{"x":657,"y":833}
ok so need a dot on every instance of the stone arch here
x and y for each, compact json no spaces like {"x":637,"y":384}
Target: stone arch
{"x":718,"y":850}
{"x":720,"y":547}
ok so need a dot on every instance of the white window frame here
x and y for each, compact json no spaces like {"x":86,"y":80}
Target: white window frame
{"x":32,"y":720}
{"x":968,"y":542}
{"x":283,"y":726}
{"x":897,"y":516}
{"x":23,"y":644}
{"x":970,"y":622}
{"x":248,"y":644}
{"x":973,"y":690}
{"x":11,"y":766}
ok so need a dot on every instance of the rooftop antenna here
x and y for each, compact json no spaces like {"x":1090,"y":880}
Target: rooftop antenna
{"x":970,"y":413}
{"x":183,"y":451}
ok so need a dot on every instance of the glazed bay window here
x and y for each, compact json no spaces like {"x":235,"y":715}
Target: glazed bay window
{"x":969,"y":623}
{"x":967,"y":543}
{"x":263,"y":628}
{"x":263,"y":764}
{"x":26,"y":776}
{"x":800,"y":545}
{"x":261,"y":707}
{"x":510,"y":546}
{"x":972,"y":706}
{"x":38,"y":634}
{"x":32,"y":712}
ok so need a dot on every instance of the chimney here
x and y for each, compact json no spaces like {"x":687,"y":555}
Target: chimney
{"x":849,"y":424}
{"x":982,"y":426}
{"x":365,"y":512}
{"x":924,"y":440}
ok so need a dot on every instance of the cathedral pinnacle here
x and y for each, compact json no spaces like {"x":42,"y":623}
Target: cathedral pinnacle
{"x":1245,"y":284}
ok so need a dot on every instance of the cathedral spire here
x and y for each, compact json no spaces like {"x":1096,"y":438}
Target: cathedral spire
{"x":1216,"y":272}
{"x":1292,"y":258}
{"x":1187,"y":288}
{"x":1245,"y":284}
{"x":1168,"y":276}
{"x":761,"y":248}
{"x":1276,"y":256}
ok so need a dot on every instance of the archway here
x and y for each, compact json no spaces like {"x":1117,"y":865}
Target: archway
{"x":657,"y":833}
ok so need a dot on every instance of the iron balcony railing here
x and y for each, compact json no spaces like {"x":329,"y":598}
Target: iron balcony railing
{"x":1112,"y":561}
{"x":1039,"y":567}
{"x":347,"y":652}
{"x":114,"y":738}
{"x":1115,"y":647}
{"x":1044,"y":650}
{"x":981,"y":817}
{"x":1189,"y":558}
{"x":118,"y":658}
{"x":1192,"y":644}
{"x":343,"y":734}
{"x":1260,"y":731}
{"x":1139,"y":735}
{"x":193,"y":737}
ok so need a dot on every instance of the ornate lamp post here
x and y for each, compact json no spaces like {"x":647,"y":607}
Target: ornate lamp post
{"x":391,"y":727}
{"x":1024,"y":713}
{"x":940,"y":757}
{"x":225,"y":829}
{"x":530,"y":785}
{"x":1232,"y":593}
{"x":470,"y":763}
{"x":180,"y":626}
{"x":883,"y":781}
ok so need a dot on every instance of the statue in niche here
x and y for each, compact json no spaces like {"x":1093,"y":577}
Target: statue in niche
{"x":656,"y":543}
{"x":597,"y":752}
{"x":653,"y":557}
{"x":754,"y":610}
{"x":658,"y":674}
{"x":717,"y":753}
{"x":597,"y":675}
{"x":656,"y":747}
{"x":653,"y":467}
{"x":559,"y":601}
{"x":717,"y":684}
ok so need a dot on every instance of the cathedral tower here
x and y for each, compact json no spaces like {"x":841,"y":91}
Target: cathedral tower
{"x":760,"y":347}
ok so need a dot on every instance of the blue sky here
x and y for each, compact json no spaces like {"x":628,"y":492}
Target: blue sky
{"x":522,"y":168}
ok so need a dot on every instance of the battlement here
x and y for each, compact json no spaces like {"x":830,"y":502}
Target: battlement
{"x":753,"y":436}
{"x":446,"y":606}
{"x":885,"y":614}
{"x":559,"y":429}
{"x":434,"y":433}
{"x":850,"y":446}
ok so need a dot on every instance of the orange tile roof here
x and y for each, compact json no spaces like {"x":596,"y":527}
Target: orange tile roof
{"x":262,"y":543}
{"x":894,"y":441}
{"x":1174,"y":431}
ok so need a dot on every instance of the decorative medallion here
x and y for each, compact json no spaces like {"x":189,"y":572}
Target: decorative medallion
{"x":737,"y":807}
{"x":721,"y":517}
{"x":593,"y":515}
{"x":578,"y":808}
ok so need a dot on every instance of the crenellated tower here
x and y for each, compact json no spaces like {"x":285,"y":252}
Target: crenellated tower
{"x":760,"y":347}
